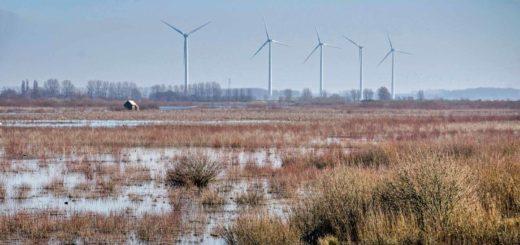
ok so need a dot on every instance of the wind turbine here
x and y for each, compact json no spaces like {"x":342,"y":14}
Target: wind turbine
{"x":269,"y":42}
{"x":360,"y":66}
{"x":392,"y":51}
{"x":320,"y":46}
{"x":186,"y":57}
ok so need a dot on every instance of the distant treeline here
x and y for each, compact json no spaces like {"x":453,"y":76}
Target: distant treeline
{"x":104,"y":90}
{"x":53,"y":88}
{"x":204,"y":92}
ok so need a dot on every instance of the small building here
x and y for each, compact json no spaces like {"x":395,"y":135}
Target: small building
{"x":131,"y":105}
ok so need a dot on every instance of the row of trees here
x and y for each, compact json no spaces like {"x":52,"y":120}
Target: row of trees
{"x":209,"y":91}
{"x":51,"y":88}
{"x":353,"y":95}
{"x":113,"y":90}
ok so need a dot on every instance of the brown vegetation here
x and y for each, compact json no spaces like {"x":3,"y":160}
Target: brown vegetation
{"x":56,"y":186}
{"x":251,"y":198}
{"x":196,"y":169}
{"x":434,"y":192}
{"x":3,"y":192}
{"x":88,"y":228}
{"x":22,"y":191}
{"x":212,"y":198}
{"x":260,"y":230}
{"x":291,"y":127}
{"x":349,"y":174}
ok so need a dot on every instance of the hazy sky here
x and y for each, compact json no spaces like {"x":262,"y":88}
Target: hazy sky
{"x":455,"y":44}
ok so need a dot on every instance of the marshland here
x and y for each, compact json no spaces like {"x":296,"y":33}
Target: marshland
{"x":262,"y":175}
{"x":259,"y":122}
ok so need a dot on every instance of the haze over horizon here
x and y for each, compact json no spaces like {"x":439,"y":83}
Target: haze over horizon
{"x":455,"y":44}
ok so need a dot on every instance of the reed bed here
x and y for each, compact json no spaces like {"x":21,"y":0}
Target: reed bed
{"x":45,"y":227}
{"x":299,"y":128}
{"x":451,"y":190}
{"x":263,"y":113}
{"x":260,"y":229}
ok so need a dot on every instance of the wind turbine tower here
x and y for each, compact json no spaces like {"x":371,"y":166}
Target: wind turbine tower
{"x":186,"y":35}
{"x":320,"y":45}
{"x":360,"y":67}
{"x":392,"y":52}
{"x":269,"y":41}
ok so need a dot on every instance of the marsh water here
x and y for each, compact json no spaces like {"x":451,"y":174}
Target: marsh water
{"x":149,"y":194}
{"x":123,"y":123}
{"x":132,"y":181}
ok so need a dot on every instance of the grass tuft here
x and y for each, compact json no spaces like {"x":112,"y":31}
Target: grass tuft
{"x":212,"y":198}
{"x":193,"y":169}
{"x":3,"y":193}
{"x":260,"y":230}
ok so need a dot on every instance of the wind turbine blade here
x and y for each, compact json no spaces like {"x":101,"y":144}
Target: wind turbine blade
{"x":318,"y":35}
{"x":386,"y":56}
{"x":261,"y":47}
{"x":389,"y":41}
{"x":198,"y":28}
{"x":266,"y":30}
{"x":350,"y":40}
{"x":404,"y":52}
{"x":312,"y":52}
{"x":173,"y":27}
{"x":281,"y":43}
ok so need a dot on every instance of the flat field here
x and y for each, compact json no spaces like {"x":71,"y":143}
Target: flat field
{"x":285,"y":175}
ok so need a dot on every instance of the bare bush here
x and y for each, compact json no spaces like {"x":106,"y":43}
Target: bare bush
{"x":436,"y":193}
{"x":196,"y":169}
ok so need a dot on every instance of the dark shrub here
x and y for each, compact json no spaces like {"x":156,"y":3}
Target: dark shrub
{"x":193,"y":169}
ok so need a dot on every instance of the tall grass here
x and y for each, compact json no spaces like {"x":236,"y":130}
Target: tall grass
{"x":499,"y":186}
{"x":372,"y":156}
{"x":260,"y":230}
{"x":43,"y":227}
{"x":456,"y":190}
{"x":162,"y":228}
{"x":336,"y":206}
{"x":438,"y":194}
{"x":299,"y":127}
{"x":14,"y":146}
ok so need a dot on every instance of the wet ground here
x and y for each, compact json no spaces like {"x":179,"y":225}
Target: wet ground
{"x":123,"y":123}
{"x":76,"y":184}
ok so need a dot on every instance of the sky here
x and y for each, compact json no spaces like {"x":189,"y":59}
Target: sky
{"x":454,"y":44}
